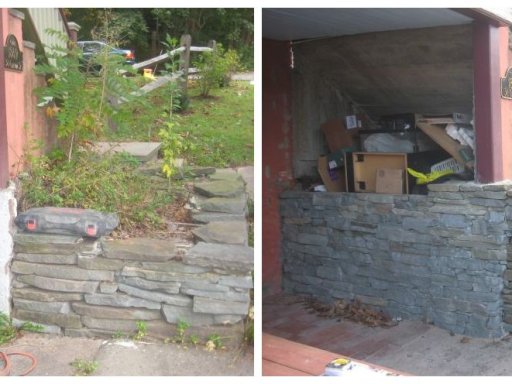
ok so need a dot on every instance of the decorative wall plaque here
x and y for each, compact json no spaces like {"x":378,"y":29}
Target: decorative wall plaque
{"x":506,"y":84}
{"x":13,"y":57}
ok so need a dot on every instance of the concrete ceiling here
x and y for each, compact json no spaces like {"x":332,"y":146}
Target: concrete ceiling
{"x":311,"y":23}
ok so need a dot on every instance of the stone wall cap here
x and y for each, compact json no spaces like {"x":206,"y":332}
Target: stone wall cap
{"x":74,"y":26}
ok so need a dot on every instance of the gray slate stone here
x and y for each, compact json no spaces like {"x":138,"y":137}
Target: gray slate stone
{"x":168,"y":276}
{"x":46,"y":258}
{"x":120,"y":300}
{"x":237,"y":281}
{"x":220,"y":188}
{"x":226,"y":174}
{"x":108,"y":287}
{"x":46,"y":244}
{"x":205,"y":286}
{"x":59,"y":319}
{"x":104,"y":312}
{"x":140,"y":249}
{"x":173,"y":266}
{"x":234,"y":205}
{"x":38,"y":295}
{"x":101,"y":263}
{"x":110,"y":324}
{"x":223,"y":232}
{"x":42,"y":306}
{"x":59,"y":284}
{"x":227,"y":257}
{"x":50,"y":329}
{"x":227,"y":296}
{"x":178,"y":300}
{"x":90,"y":333}
{"x":207,"y":217}
{"x":168,"y":287}
{"x":174,"y":314}
{"x":219,"y":307}
{"x":60,"y":271}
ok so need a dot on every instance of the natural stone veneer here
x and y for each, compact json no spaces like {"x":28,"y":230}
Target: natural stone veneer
{"x":445,"y":257}
{"x":83,"y":287}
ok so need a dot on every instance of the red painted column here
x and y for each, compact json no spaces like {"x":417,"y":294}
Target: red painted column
{"x":277,"y":154}
{"x":4,"y":157}
{"x":492,"y":113}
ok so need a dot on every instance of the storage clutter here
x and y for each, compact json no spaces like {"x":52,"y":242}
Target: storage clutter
{"x":399,"y":155}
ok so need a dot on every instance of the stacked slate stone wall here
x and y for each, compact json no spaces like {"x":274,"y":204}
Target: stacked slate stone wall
{"x":84,"y":287}
{"x":440,"y":257}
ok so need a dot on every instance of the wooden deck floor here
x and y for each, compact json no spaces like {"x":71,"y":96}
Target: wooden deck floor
{"x":283,"y":357}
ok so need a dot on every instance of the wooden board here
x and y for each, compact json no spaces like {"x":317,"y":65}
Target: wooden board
{"x":283,"y":357}
{"x":439,"y":135}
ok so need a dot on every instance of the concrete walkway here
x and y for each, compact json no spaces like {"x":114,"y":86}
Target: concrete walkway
{"x":55,"y":354}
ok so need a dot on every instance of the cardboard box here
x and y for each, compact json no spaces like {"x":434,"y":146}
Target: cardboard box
{"x":337,"y":136}
{"x":365,"y":167}
{"x":333,"y":179}
{"x":389,"y":181}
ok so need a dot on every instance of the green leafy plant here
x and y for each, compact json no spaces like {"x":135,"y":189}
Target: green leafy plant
{"x":216,"y":68}
{"x":248,"y":336}
{"x":142,"y":331}
{"x":84,"y":367}
{"x":194,"y":340}
{"x":7,"y":330}
{"x":173,"y":145}
{"x":216,"y":340}
{"x":29,"y":327}
{"x":84,"y":105}
{"x":181,"y":329}
{"x":118,"y":335}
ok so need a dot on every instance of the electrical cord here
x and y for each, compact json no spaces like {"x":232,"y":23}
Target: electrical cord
{"x":7,"y":365}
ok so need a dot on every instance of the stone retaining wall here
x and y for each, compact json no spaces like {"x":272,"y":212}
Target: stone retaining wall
{"x":442,"y":258}
{"x":84,"y":287}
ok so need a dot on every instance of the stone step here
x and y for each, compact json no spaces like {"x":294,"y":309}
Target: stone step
{"x":220,"y":188}
{"x":207,"y":217}
{"x":142,"y":151}
{"x":232,"y":205}
{"x":223,"y":232}
{"x":228,"y":257}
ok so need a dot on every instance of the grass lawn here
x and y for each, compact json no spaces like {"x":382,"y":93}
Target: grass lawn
{"x":219,"y":130}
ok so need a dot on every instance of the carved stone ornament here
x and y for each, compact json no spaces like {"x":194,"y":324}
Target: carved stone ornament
{"x":13,"y":57}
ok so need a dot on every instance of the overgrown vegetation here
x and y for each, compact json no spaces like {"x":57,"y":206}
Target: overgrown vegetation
{"x":107,"y":183}
{"x":9,"y":332}
{"x":84,"y":367}
{"x":142,"y":331}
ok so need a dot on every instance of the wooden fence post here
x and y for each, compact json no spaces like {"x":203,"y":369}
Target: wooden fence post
{"x":186,"y":42}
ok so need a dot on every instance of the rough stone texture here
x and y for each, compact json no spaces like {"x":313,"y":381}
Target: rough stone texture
{"x":61,"y":271}
{"x":51,"y":329}
{"x":220,"y":188}
{"x":219,"y":307}
{"x":93,"y":288}
{"x":47,"y":258}
{"x":178,"y":300}
{"x":223,"y":232}
{"x":62,"y":320}
{"x":167,"y":276}
{"x":49,"y":244}
{"x":207,"y":217}
{"x":103,"y":312}
{"x":174,"y":314}
{"x":168,"y":287}
{"x":42,"y":306}
{"x":418,"y":257}
{"x":233,"y":205}
{"x":39,"y":295}
{"x":59,"y":284}
{"x":222,"y":256}
{"x":140,"y":249}
{"x":120,"y":300}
